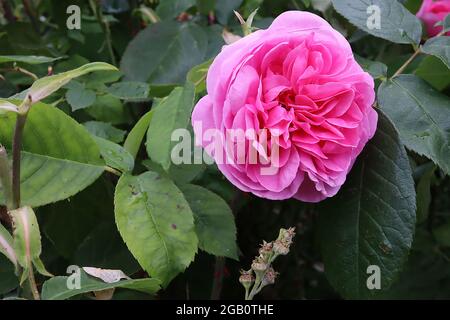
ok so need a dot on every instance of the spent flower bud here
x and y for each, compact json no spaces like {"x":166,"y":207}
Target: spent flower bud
{"x":259,"y":265}
{"x":247,"y":278}
{"x":269,"y":277}
{"x":266,"y":250}
{"x":280,"y":248}
{"x":286,"y":235}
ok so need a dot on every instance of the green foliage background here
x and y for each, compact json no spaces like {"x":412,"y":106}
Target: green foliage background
{"x":163,"y":224}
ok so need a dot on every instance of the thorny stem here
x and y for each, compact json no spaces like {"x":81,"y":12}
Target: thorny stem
{"x":24,"y":108}
{"x":5,"y":176}
{"x":218,"y":278}
{"x":16,"y":148}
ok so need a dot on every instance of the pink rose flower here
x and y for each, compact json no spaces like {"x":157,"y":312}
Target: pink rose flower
{"x":431,"y":12}
{"x":298,"y":86}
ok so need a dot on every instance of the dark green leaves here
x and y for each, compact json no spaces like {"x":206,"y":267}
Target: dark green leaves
{"x":422,"y":116}
{"x":115,"y":155}
{"x":396,"y":24}
{"x":172,"y":8}
{"x":423,"y":190}
{"x":371,"y":221}
{"x":156,"y":223}
{"x":137,"y":134}
{"x":129,"y":90}
{"x":59,"y":157}
{"x":224,"y":10}
{"x":7,"y":245}
{"x":105,"y":130}
{"x":376,"y":69}
{"x":442,"y":234}
{"x":434,"y":71}
{"x":439,"y":47}
{"x":8,"y":278}
{"x":446,"y":23}
{"x":197,"y":75}
{"x":214,"y":221}
{"x":171,"y":114}
{"x":79,"y":97}
{"x":164,"y":52}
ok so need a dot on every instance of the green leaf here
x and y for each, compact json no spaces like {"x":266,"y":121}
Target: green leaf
{"x":156,"y":223}
{"x":57,"y":289}
{"x":28,"y":59}
{"x":422,"y":116}
{"x":44,"y":87}
{"x":434,"y":71}
{"x":161,"y":90}
{"x":103,"y":247}
{"x":185,"y":173}
{"x":168,"y":9}
{"x":192,"y":162}
{"x":97,"y":79}
{"x":59,"y":157}
{"x":371,"y":221}
{"x":423,"y":191}
{"x":108,"y":109}
{"x":439,"y":47}
{"x":197,"y":76}
{"x":180,"y":174}
{"x":82,"y":213}
{"x":79,"y":97}
{"x":214,"y":221}
{"x":412,"y":5}
{"x":130,"y":90}
{"x":376,"y":69}
{"x":426,"y":273}
{"x":206,"y":6}
{"x":172,"y":113}
{"x":134,"y":139}
{"x":446,"y":22}
{"x":8,"y":277}
{"x":27,"y":240}
{"x":396,"y":23}
{"x":105,"y":130}
{"x":115,"y":155}
{"x":224,"y":10}
{"x":7,"y":245}
{"x":169,"y":49}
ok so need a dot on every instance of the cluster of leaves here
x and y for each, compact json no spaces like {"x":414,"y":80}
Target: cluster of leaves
{"x":96,"y":165}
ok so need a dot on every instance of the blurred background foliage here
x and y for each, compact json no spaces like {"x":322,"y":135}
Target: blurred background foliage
{"x":158,"y":42}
